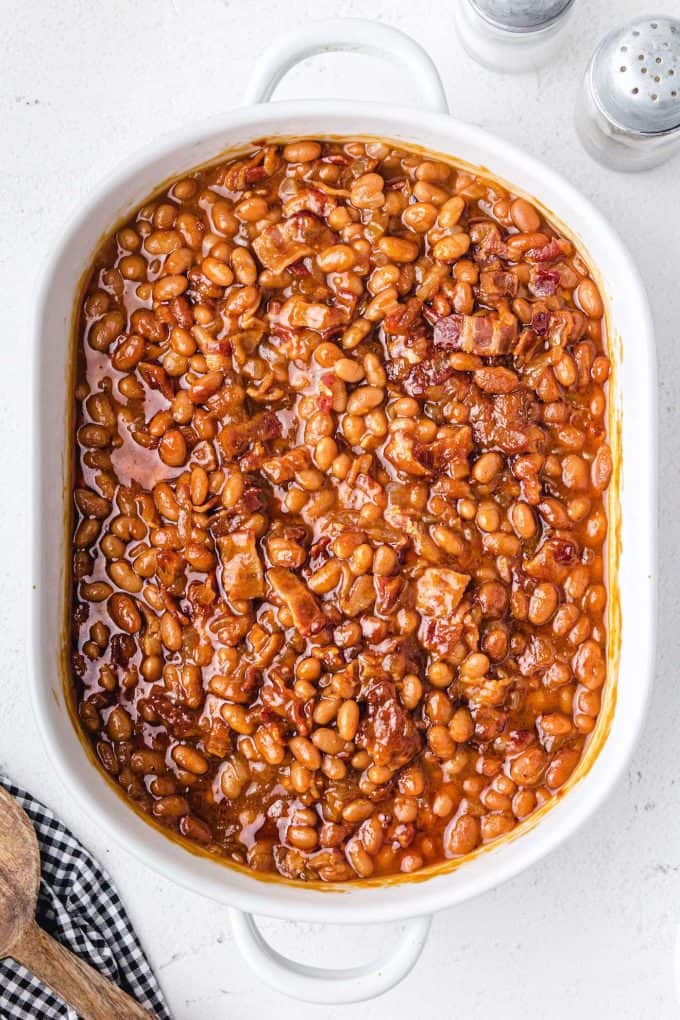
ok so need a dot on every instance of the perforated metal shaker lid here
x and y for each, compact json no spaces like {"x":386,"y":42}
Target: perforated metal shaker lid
{"x":521,"y":15}
{"x":635,"y":76}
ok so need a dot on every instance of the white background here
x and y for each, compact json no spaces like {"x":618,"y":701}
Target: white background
{"x":587,"y":933}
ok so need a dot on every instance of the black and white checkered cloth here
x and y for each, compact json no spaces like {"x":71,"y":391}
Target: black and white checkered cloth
{"x":78,"y":906}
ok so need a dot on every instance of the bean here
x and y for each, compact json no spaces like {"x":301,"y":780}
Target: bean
{"x":601,"y":468}
{"x":359,"y":859}
{"x":524,"y":216}
{"x":326,"y":577}
{"x":189,"y":759}
{"x":301,"y":152}
{"x":237,"y":717}
{"x":119,"y":724}
{"x":348,"y":370}
{"x":96,"y":591}
{"x":234,"y":776}
{"x":327,"y":740}
{"x":419,"y":216}
{"x":475,"y":666}
{"x":439,"y":739}
{"x":217,"y":272}
{"x":462,"y":835}
{"x":561,"y":767}
{"x":347,"y":720}
{"x":269,"y":746}
{"x":303,"y":837}
{"x":337,"y":258}
{"x":451,"y":211}
{"x":461,"y":726}
{"x":528,"y":768}
{"x":364,"y":399}
{"x":92,"y":505}
{"x":367,"y":191}
{"x":588,"y":297}
{"x":124,"y":613}
{"x":523,"y":520}
{"x":251,"y":209}
{"x":172,"y":448}
{"x":450,"y":249}
{"x":496,"y":824}
{"x":357,"y":810}
{"x":171,"y":808}
{"x":398,"y":249}
{"x":305,"y":752}
{"x":169,"y":287}
{"x":543,"y":603}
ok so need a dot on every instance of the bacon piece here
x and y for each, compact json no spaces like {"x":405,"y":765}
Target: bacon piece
{"x":284,"y":468}
{"x":488,"y":334}
{"x":304,"y":608}
{"x":310,"y":200}
{"x":487,"y":242}
{"x":496,"y":380}
{"x":402,"y":319}
{"x":540,"y":319}
{"x":565,"y":327}
{"x":489,"y":691}
{"x":547,"y":252}
{"x":182,"y":311}
{"x":157,"y":378}
{"x":363,"y":490}
{"x":400,"y":451}
{"x":276,"y":249}
{"x":388,"y":590}
{"x":552,"y":560}
{"x":296,"y":313}
{"x":538,"y":654}
{"x":430,"y":372}
{"x":508,"y":421}
{"x":439,"y":591}
{"x":283,"y":701}
{"x":282,"y":244}
{"x":543,"y":282}
{"x":388,"y":731}
{"x":242,"y":576}
{"x":449,"y":452}
{"x":526,"y":345}
{"x":495,"y":284}
{"x":236,"y":438}
{"x":441,"y":636}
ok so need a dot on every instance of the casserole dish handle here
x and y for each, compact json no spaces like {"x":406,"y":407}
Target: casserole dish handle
{"x":353,"y":35}
{"x":324,"y":984}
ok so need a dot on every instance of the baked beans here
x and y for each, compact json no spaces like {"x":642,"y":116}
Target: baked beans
{"x":341,"y":460}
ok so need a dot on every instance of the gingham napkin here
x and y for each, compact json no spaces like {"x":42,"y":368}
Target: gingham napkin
{"x":78,"y":906}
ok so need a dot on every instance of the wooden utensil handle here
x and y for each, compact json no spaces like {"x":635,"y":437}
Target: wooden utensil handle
{"x":81,"y":986}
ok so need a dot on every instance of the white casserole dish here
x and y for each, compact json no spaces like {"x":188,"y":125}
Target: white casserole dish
{"x":632,"y":550}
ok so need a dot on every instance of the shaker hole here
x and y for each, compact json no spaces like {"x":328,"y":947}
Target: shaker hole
{"x":635,"y":91}
{"x":654,"y":96}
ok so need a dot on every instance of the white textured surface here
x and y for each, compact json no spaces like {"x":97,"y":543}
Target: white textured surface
{"x":588,"y":932}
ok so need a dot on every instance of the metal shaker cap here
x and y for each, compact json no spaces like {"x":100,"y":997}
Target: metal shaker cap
{"x":635,"y":76}
{"x":521,"y":15}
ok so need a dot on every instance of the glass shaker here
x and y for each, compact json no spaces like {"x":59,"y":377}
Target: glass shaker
{"x":512,"y":35}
